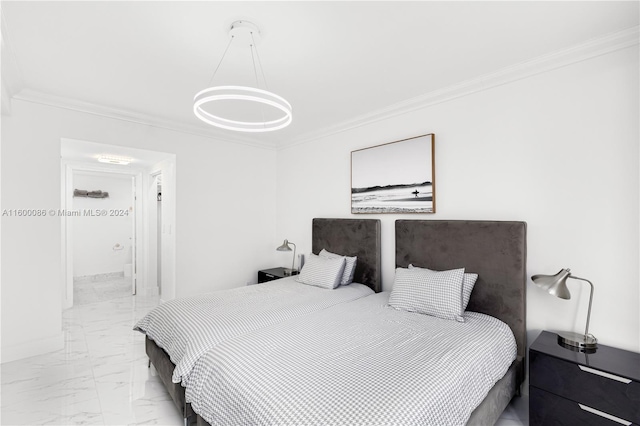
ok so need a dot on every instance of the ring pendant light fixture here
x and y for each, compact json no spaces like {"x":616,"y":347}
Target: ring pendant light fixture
{"x":245,"y":33}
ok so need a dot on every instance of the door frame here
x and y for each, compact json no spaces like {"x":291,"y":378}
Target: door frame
{"x":66,"y":202}
{"x":154,"y":262}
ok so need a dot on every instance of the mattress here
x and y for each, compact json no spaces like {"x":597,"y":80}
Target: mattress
{"x":357,"y":363}
{"x":187,"y":328}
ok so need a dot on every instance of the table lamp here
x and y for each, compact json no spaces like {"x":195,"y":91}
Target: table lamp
{"x":557,"y":286}
{"x":286,"y":247}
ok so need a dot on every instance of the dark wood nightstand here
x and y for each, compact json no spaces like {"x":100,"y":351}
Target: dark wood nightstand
{"x":274,"y":274}
{"x":568,"y":387}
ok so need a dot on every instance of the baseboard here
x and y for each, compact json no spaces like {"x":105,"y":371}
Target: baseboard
{"x":32,"y":348}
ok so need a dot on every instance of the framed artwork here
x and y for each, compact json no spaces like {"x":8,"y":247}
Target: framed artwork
{"x":396,"y":177}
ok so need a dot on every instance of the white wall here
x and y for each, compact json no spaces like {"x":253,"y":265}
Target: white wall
{"x":94,"y":237}
{"x":31,"y":257}
{"x":222,"y":236}
{"x":558,"y":150}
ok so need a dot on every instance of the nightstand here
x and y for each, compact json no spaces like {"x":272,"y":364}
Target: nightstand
{"x":568,"y":387}
{"x":274,"y":274}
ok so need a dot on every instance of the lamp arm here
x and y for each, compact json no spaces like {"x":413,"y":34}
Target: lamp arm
{"x":586,"y":330}
{"x":293,"y":262}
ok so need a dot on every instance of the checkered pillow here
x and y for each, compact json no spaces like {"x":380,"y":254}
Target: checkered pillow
{"x":468,"y":282}
{"x":349,"y":266}
{"x":438,"y":294}
{"x":322,"y":272}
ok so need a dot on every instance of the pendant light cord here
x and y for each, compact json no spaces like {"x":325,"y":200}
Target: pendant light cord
{"x":255,"y":72}
{"x":221,"y":59}
{"x":266,"y":86}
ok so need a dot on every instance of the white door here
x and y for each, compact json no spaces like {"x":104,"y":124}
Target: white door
{"x":132,"y":210}
{"x":154,"y":232}
{"x":159,"y":231}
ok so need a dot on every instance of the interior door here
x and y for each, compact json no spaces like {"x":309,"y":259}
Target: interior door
{"x":132,"y":211}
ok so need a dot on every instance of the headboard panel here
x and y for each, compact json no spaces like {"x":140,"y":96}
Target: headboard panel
{"x":352,"y":237}
{"x":496,"y":251}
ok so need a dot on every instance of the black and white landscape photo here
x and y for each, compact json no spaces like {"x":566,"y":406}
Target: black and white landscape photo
{"x":396,"y":177}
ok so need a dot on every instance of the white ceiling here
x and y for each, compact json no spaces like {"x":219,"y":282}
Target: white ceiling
{"x":333,"y":61}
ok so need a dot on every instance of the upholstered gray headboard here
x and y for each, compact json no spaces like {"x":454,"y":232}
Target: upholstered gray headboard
{"x":496,"y":251}
{"x":352,"y":237}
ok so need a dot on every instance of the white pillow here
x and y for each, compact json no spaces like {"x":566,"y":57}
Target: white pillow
{"x":322,"y":272}
{"x":349,"y":266}
{"x":432,"y":293}
{"x":468,"y":282}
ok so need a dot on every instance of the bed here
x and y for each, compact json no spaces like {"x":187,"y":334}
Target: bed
{"x":497,"y":252}
{"x":341,"y":365}
{"x":173,"y":344}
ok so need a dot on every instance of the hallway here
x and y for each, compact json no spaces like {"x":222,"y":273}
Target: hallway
{"x":91,"y":290}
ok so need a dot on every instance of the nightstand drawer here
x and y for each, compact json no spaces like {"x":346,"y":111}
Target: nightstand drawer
{"x":267,"y":275}
{"x":606,"y":392}
{"x":548,"y":409}
{"x":264,"y":277}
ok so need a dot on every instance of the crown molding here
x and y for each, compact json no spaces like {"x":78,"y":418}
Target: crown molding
{"x":561,"y":58}
{"x":12,"y":88}
{"x":33,"y":96}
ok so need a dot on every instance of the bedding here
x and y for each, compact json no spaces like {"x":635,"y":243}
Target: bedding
{"x":349,"y":265}
{"x":357,"y":363}
{"x":468,"y":282}
{"x":429,"y":292}
{"x":322,"y":271}
{"x":187,"y":328}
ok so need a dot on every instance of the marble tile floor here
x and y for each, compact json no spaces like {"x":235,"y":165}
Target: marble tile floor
{"x":99,"y":290}
{"x":101,"y":376}
{"x":516,"y":413}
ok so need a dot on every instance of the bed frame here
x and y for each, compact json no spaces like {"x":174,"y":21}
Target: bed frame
{"x":497,"y":252}
{"x":349,"y":237}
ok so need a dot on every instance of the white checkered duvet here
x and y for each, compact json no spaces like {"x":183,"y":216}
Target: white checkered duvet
{"x":359,"y":363}
{"x":187,"y":328}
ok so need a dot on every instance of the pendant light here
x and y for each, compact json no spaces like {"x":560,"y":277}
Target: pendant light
{"x":245,"y":34}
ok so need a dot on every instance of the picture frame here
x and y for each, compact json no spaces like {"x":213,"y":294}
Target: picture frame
{"x":395,"y":177}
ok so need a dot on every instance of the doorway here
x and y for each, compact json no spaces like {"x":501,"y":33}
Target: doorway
{"x":103,"y":238}
{"x":146,"y":170}
{"x":101,"y":230}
